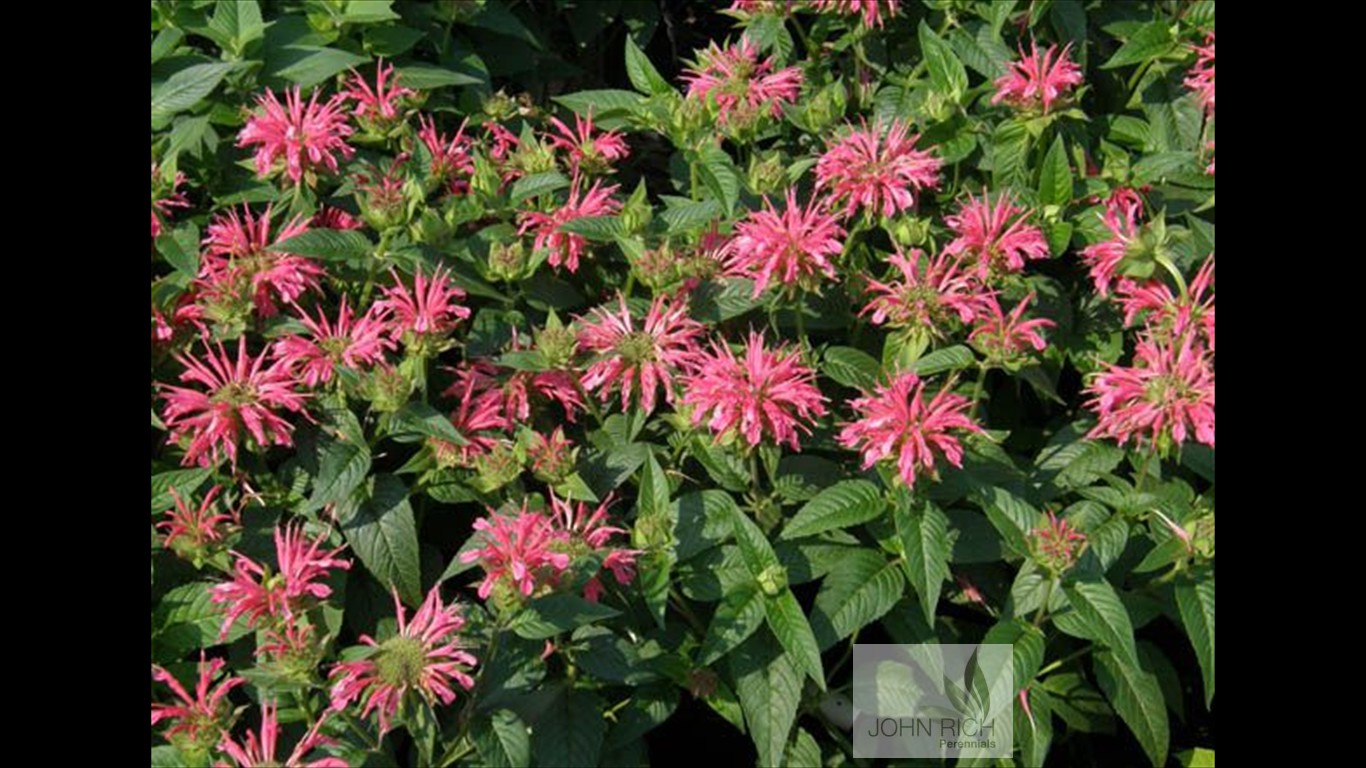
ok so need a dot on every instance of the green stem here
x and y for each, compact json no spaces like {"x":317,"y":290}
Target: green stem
{"x":1175,"y":273}
{"x":798,"y":307}
{"x":1143,"y":472}
{"x":754,"y":472}
{"x":982,"y":369}
{"x":1042,"y":613}
{"x":1063,"y":660}
{"x":630,"y":283}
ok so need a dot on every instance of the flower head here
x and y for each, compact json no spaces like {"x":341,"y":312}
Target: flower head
{"x":994,"y":236}
{"x":1170,"y":316}
{"x":523,"y":552}
{"x":424,"y":656}
{"x":331,"y":217}
{"x":552,"y":456}
{"x":1121,"y":218}
{"x":195,"y":527}
{"x":870,"y":10}
{"x":429,"y":309}
{"x":638,"y":360}
{"x":238,"y":258}
{"x":257,"y":593}
{"x":875,"y":171}
{"x":1056,"y":545}
{"x":236,"y":396}
{"x":164,"y":200}
{"x":896,"y":421}
{"x":1201,"y":78}
{"x":256,"y":752}
{"x":308,"y":136}
{"x":742,"y":87}
{"x":1038,"y":79}
{"x":565,"y":247}
{"x":1164,"y":399}
{"x":352,"y":342}
{"x":763,"y":394}
{"x":595,"y":153}
{"x":451,"y":158}
{"x":930,"y":292}
{"x":587,"y":532}
{"x":791,"y":248}
{"x":195,"y":718}
{"x":378,"y":106}
{"x":1006,"y":337}
{"x":480,"y":415}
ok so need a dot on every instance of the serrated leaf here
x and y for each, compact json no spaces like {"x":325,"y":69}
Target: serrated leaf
{"x":851,"y":367}
{"x":924,"y":534}
{"x":417,"y":419}
{"x":643,"y":74}
{"x":719,"y":175}
{"x":946,"y":71}
{"x":381,"y":531}
{"x":602,"y":103}
{"x":1027,"y":647}
{"x":1195,"y":601}
{"x":327,"y":244}
{"x":501,"y":740}
{"x":537,"y":184}
{"x":239,"y":23}
{"x":186,"y":618}
{"x":342,"y":466}
{"x":737,"y":617}
{"x":860,"y":589}
{"x":556,"y":614}
{"x":843,"y":504}
{"x":186,"y":88}
{"x":1010,"y":515}
{"x":1149,"y":42}
{"x":682,"y":218}
{"x":754,"y":546}
{"x":727,"y":470}
{"x":654,"y":532}
{"x":790,"y":626}
{"x":951,"y":358}
{"x":769,"y":687}
{"x":570,"y":731}
{"x":185,"y":482}
{"x":1055,"y":177}
{"x":1137,"y":698}
{"x":308,"y":65}
{"x":426,"y":77}
{"x":1009,"y":151}
{"x":803,"y":752}
{"x":1099,"y":608}
{"x":600,"y":229}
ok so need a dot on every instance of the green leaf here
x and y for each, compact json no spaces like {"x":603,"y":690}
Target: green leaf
{"x":682,"y":218}
{"x":724,"y":467}
{"x":185,"y":482}
{"x":1191,"y":758}
{"x":555,"y":614}
{"x":946,"y":71}
{"x":1027,"y":647}
{"x":1195,"y":601}
{"x":426,"y":77}
{"x":497,"y":18}
{"x":418,"y":420}
{"x":843,"y":504}
{"x":754,"y":546}
{"x":327,"y":244}
{"x":307,"y":65}
{"x":238,"y":22}
{"x":654,"y":532}
{"x":924,"y":534}
{"x":1009,"y":152}
{"x":851,"y":367}
{"x":718,"y":173}
{"x":1137,"y":698}
{"x":769,"y":687}
{"x":368,"y":11}
{"x":643,"y":74}
{"x":186,"y":619}
{"x":1150,"y":41}
{"x":1098,"y":606}
{"x":537,"y":184}
{"x":737,"y":617}
{"x":1055,"y":178}
{"x":790,"y":626}
{"x":342,"y":466}
{"x":602,"y":103}
{"x":704,"y":521}
{"x":383,"y":534}
{"x":803,"y":752}
{"x":501,"y":740}
{"x":600,"y":229}
{"x":187,"y":88}
{"x":570,"y":731}
{"x":951,"y":358}
{"x":1010,"y":515}
{"x":860,"y":589}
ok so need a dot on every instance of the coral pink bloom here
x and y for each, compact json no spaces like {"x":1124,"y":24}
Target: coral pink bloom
{"x":896,"y":420}
{"x":1201,"y":79}
{"x":1005,"y":336}
{"x":791,"y":247}
{"x":552,"y":456}
{"x":308,"y":136}
{"x":198,"y":525}
{"x":504,"y":141}
{"x":329,"y":217}
{"x":525,"y":549}
{"x":638,"y":360}
{"x":450,"y":157}
{"x":740,"y":84}
{"x":354,"y":343}
{"x":871,"y":10}
{"x":1165,"y":397}
{"x":1121,"y":218}
{"x":585,"y":148}
{"x":198,"y":715}
{"x":565,"y":247}
{"x":1056,"y":543}
{"x":237,"y":247}
{"x":163,"y":205}
{"x":765,"y":394}
{"x":256,"y":592}
{"x":429,"y":308}
{"x":479,"y":411}
{"x":590,"y":529}
{"x":239,"y":395}
{"x":877,"y":172}
{"x":381,"y":103}
{"x":927,"y":295}
{"x":1038,"y":79}
{"x":260,"y":753}
{"x":994,"y":236}
{"x":1170,"y":316}
{"x":424,"y":657}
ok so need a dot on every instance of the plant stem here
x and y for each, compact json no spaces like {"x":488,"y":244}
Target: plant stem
{"x":1042,"y":613}
{"x":1143,"y":472}
{"x":977,"y":389}
{"x":1064,"y":660}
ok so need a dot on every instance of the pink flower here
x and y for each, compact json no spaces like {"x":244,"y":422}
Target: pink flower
{"x":163,"y":203}
{"x":479,"y":411}
{"x":523,"y":550}
{"x":430,"y":308}
{"x":1038,"y":79}
{"x":991,"y":236}
{"x":1201,"y":79}
{"x":1056,"y":544}
{"x":1210,"y":168}
{"x":504,"y":141}
{"x":741,"y":86}
{"x":1165,"y":397}
{"x":638,"y":361}
{"x":895,"y":419}
{"x":198,"y":526}
{"x":329,"y":217}
{"x":260,"y":753}
{"x":870,"y":9}
{"x":584,"y":148}
{"x":450,"y":157}
{"x":378,"y":104}
{"x":930,"y":293}
{"x":552,"y":456}
{"x":767,"y":394}
{"x":565,"y":247}
{"x":1004,"y":337}
{"x":1121,"y":218}
{"x":866,"y":169}
{"x":1170,"y":316}
{"x":237,"y":395}
{"x":256,"y":593}
{"x":424,"y":657}
{"x":354,"y":343}
{"x":308,"y":136}
{"x":237,"y":250}
{"x":791,"y":247}
{"x":195,"y":716}
{"x":591,"y":531}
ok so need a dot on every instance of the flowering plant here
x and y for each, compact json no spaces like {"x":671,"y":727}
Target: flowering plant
{"x":548,"y":383}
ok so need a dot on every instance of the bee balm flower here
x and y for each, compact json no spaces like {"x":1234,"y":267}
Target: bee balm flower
{"x":876,"y":172}
{"x":791,"y":248}
{"x":927,"y":296}
{"x":994,"y":236}
{"x":566,"y":247}
{"x":257,"y":593}
{"x":524,"y":550}
{"x":1165,"y":398}
{"x":1201,"y":79}
{"x":195,"y":718}
{"x":351,"y":342}
{"x":741,"y":86}
{"x":896,"y":421}
{"x":260,"y":753}
{"x":307,"y":136}
{"x":1038,"y":79}
{"x":638,"y":360}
